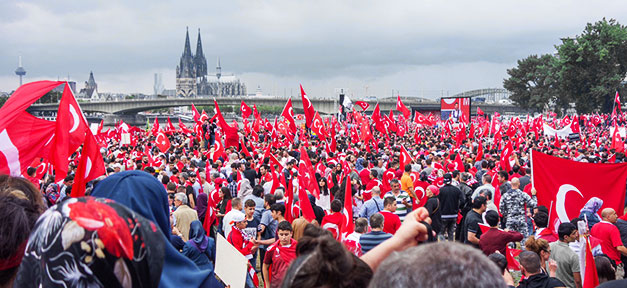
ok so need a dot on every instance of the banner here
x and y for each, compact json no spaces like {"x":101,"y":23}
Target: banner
{"x":562,"y":133}
{"x":564,"y":186}
{"x":456,"y":109}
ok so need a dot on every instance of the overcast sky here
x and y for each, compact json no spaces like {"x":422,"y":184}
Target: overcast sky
{"x":418,"y":48}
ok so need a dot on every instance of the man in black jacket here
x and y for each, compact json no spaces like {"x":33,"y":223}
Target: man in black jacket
{"x":530,"y":267}
{"x":451,"y":200}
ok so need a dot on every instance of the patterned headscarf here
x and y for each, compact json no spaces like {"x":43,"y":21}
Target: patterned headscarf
{"x":92,"y":242}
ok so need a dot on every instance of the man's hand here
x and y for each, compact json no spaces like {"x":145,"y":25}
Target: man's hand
{"x":412,"y":231}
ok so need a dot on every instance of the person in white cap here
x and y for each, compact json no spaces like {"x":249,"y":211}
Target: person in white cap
{"x":238,"y":238}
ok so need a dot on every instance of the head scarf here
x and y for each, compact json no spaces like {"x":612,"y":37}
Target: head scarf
{"x":145,"y":195}
{"x":197,"y":236}
{"x":92,"y":242}
{"x":201,"y":205}
{"x":593,"y":205}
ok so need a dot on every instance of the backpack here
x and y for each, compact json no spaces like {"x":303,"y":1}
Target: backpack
{"x":52,"y":194}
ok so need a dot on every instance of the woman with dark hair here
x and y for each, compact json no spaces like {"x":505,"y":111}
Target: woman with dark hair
{"x":201,"y":206}
{"x":92,"y":242}
{"x":325,"y":197}
{"x":224,"y":206}
{"x":20,"y":206}
{"x":605,"y":268}
{"x":200,"y":248}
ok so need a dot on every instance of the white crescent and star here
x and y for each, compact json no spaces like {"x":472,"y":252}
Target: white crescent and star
{"x":74,"y":119}
{"x":560,"y":200}
{"x":11,"y":153}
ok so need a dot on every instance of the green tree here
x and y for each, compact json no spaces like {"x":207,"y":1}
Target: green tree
{"x":591,"y":66}
{"x":531,"y":82}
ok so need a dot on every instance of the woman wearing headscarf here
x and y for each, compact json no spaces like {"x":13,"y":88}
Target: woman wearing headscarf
{"x":92,"y":242}
{"x":590,"y":211}
{"x":201,"y":206}
{"x":200,"y":248}
{"x":145,"y":195}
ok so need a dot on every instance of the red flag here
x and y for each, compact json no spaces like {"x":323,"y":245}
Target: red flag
{"x":289,"y":204}
{"x":69,"y":132}
{"x":510,"y":255}
{"x":553,"y":183}
{"x":459,"y":164}
{"x":617,"y":142}
{"x":232,"y":138}
{"x":197,"y":117}
{"x":348,"y":226}
{"x":22,"y":98}
{"x":378,"y":122}
{"x":308,"y":107}
{"x":617,"y":101}
{"x":318,"y":127}
{"x":304,"y":178}
{"x":591,"y":278}
{"x":405,"y":157}
{"x":162,"y":142}
{"x":479,"y":152}
{"x":244,"y":148}
{"x":203,"y":116}
{"x":479,"y":111}
{"x":505,"y":154}
{"x":23,"y":140}
{"x":364,"y":105}
{"x":246,"y":111}
{"x":288,"y":114}
{"x":155,"y":127}
{"x":170,"y":127}
{"x":90,"y":167}
{"x":402,"y":108}
{"x":255,"y":112}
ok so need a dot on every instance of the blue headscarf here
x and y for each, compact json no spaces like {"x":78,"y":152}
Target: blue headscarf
{"x":144,"y":194}
{"x":197,"y":235}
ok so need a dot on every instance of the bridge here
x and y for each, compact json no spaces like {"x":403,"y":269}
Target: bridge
{"x":129,"y":107}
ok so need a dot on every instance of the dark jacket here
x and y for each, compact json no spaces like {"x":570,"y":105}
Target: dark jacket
{"x":433,"y":206}
{"x":451,"y":200}
{"x":540,"y":281}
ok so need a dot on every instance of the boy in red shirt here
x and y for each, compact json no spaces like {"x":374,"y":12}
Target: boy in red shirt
{"x":279,"y":256}
{"x":392,"y":222}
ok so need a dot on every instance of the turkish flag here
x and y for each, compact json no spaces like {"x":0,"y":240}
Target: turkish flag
{"x":232,"y":138}
{"x":617,"y":141}
{"x":565,"y":186}
{"x":364,"y":105}
{"x":591,"y":277}
{"x":197,"y":117}
{"x":90,"y":166}
{"x":479,"y":111}
{"x":162,"y":142}
{"x":317,"y":126}
{"x":218,"y":148}
{"x":459,"y":164}
{"x":288,"y":114}
{"x":402,"y":108}
{"x":203,"y":116}
{"x":479,"y":151}
{"x":505,"y":154}
{"x":379,"y":123}
{"x":69,"y":132}
{"x":23,"y":140}
{"x":155,"y":127}
{"x":246,"y":111}
{"x":348,"y":227}
{"x":308,"y":107}
{"x":405,"y":157}
{"x":305,"y":178}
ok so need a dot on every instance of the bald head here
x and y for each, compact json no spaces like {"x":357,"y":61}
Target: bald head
{"x":515,"y":183}
{"x":609,"y":215}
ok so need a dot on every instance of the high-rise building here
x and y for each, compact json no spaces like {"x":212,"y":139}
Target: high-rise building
{"x":193,"y":80}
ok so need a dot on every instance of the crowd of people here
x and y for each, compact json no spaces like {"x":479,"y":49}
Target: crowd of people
{"x":366,"y":217}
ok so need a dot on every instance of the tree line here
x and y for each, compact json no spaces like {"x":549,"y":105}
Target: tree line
{"x":584,"y":73}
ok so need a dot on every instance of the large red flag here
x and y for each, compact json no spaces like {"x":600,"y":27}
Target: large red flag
{"x":23,"y":140}
{"x":196,"y":114}
{"x":505,"y":154}
{"x":313,"y":184}
{"x":70,"y":130}
{"x":317,"y":126}
{"x":405,"y":157}
{"x":232,"y":138}
{"x":162,"y":142}
{"x":288,"y":114}
{"x":555,"y":177}
{"x":617,"y":141}
{"x":402,"y":108}
{"x":155,"y":127}
{"x":246,"y":111}
{"x":308,"y":107}
{"x":304,"y":178}
{"x":364,"y":105}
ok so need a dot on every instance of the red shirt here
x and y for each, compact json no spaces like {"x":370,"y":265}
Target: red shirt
{"x":236,"y":238}
{"x":391,"y":223}
{"x":609,"y":236}
{"x":279,"y":258}
{"x":364,"y":175}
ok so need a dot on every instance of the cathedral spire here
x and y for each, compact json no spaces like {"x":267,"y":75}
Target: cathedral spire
{"x":218,"y":69}
{"x":187,"y":51}
{"x":199,"y":52}
{"x":199,"y":59}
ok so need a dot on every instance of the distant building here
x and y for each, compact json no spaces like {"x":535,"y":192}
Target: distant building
{"x":91,"y":89}
{"x":193,"y":80}
{"x":60,"y":88}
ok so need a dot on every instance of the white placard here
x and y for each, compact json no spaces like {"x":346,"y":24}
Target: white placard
{"x":231,"y":265}
{"x":125,"y":138}
{"x":94,"y":128}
